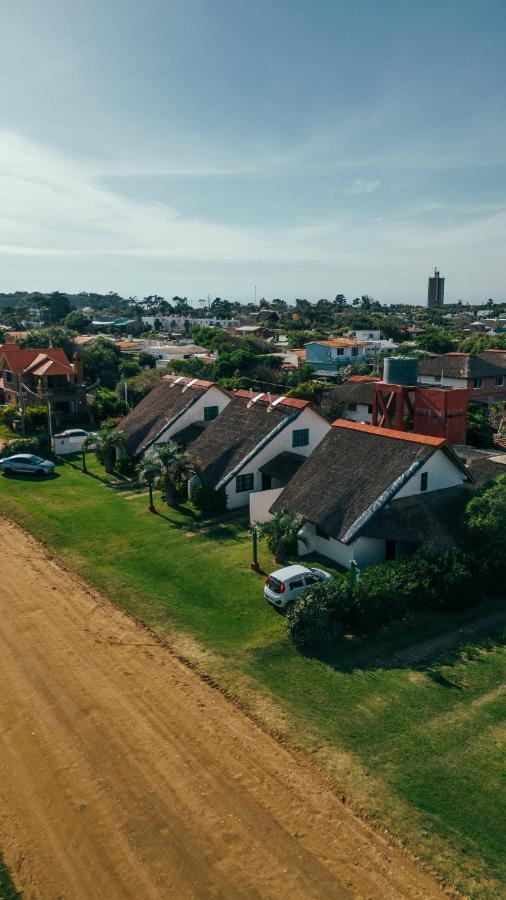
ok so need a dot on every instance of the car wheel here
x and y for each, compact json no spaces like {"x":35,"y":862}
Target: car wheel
{"x":8,"y":472}
{"x":39,"y":473}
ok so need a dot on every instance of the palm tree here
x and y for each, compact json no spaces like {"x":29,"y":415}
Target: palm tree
{"x":148,"y":471}
{"x":282,"y":534}
{"x":167,"y":464}
{"x":86,"y":445}
{"x":109,"y":441}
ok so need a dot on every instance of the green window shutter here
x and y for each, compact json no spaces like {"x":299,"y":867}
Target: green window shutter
{"x":210,"y":413}
{"x":300,"y":437}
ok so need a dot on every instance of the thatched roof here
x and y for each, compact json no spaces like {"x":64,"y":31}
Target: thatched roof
{"x":284,"y":466}
{"x":168,"y":400}
{"x":353,"y":473}
{"x":465,"y":365}
{"x":238,"y":433}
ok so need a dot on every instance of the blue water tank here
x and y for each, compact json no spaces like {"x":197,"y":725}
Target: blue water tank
{"x":400,"y":370}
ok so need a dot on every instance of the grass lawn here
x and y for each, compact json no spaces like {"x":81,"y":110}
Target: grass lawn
{"x":424,"y":756}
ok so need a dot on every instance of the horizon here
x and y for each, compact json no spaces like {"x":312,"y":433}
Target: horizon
{"x":215,"y":147}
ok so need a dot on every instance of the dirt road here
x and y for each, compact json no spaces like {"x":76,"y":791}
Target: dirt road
{"x":123,"y":775}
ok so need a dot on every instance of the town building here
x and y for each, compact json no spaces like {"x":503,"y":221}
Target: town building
{"x":177,"y":409}
{"x":484,"y":374}
{"x":436,"y":292}
{"x":42,"y":376}
{"x":328,"y":357}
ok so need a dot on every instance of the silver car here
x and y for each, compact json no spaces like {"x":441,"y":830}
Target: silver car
{"x":26,"y":464}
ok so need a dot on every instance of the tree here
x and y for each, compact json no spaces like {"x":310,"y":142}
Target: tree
{"x":486,"y":519}
{"x":436,"y":340}
{"x":129,"y":368}
{"x":282,"y":534}
{"x":497,"y":413}
{"x":101,"y":359}
{"x":50,"y":337}
{"x":107,"y":404}
{"x":55,"y":308}
{"x":77,"y":321}
{"x":480,"y":432}
{"x":148,"y":472}
{"x":146,"y":360}
{"x":171,"y":465}
{"x":108,"y":442}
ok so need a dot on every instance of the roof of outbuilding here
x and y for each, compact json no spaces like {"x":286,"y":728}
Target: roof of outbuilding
{"x":172,"y":396}
{"x":240,"y":431}
{"x":353,"y":472}
{"x":284,"y":466}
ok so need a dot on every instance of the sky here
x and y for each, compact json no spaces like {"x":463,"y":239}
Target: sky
{"x":302,"y":149}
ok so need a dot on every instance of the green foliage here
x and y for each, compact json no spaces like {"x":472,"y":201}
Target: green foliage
{"x":308,"y":390}
{"x":192,"y":368}
{"x":297,"y":338}
{"x":101,"y":359}
{"x":37,"y":445}
{"x":77,"y":321}
{"x":282,"y":534}
{"x":9,"y":415}
{"x":486,"y":520}
{"x":477,"y":343}
{"x":55,"y":336}
{"x":36,"y":418}
{"x":436,"y":340}
{"x":129,"y":368}
{"x":480,"y":432}
{"x":139,"y":385}
{"x":110,"y":445}
{"x":146,"y":360}
{"x":320,"y":615}
{"x":207,"y":501}
{"x":168,"y":466}
{"x":240,"y":382}
{"x":107,"y":403}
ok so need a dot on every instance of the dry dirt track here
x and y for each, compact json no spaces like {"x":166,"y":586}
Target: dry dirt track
{"x":123,"y":775}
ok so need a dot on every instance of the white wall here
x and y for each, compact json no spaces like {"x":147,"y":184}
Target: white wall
{"x":212,"y":397}
{"x":361,"y":414}
{"x":365,"y":551}
{"x":260,"y":503}
{"x":308,"y":418}
{"x":442,"y":472}
{"x":443,"y":381}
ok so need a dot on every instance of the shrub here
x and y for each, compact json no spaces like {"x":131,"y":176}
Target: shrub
{"x":9,"y":415}
{"x":125,"y":465}
{"x":36,"y":418}
{"x":37,"y":445}
{"x":207,"y":501}
{"x":107,"y":404}
{"x":320,"y":615}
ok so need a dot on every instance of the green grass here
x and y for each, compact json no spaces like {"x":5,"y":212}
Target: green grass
{"x":422,"y":755}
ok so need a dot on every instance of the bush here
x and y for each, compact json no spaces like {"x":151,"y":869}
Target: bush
{"x":320,"y":615}
{"x":106,"y":404}
{"x":207,"y":501}
{"x":9,"y":415}
{"x":36,"y":445}
{"x":36,"y":418}
{"x":125,"y":465}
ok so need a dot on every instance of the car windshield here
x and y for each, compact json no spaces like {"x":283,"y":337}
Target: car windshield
{"x":274,"y":584}
{"x":36,"y":460}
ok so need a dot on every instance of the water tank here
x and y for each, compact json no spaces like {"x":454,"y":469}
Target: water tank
{"x":400,"y":370}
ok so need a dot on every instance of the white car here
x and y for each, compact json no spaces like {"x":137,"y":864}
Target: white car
{"x":285,"y":585}
{"x":74,"y":432}
{"x":26,"y":464}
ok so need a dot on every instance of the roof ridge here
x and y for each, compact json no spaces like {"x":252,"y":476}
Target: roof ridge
{"x":390,"y":433}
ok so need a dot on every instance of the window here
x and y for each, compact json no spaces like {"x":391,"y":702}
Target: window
{"x":424,"y":481}
{"x":354,"y":351}
{"x":210,"y":413}
{"x":311,"y":579}
{"x":369,"y":408}
{"x":321,"y":533}
{"x":351,"y":407}
{"x":244,"y":483}
{"x":8,"y":377}
{"x":300,"y":437}
{"x":340,"y":351}
{"x":477,"y":383}
{"x":499,"y":380}
{"x":296,"y":583}
{"x":437,"y":379}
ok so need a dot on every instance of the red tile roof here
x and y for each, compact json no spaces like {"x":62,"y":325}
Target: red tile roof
{"x":391,"y":433}
{"x":23,"y":360}
{"x":265,"y":398}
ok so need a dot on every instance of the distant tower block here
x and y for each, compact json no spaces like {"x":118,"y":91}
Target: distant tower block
{"x":436,"y":293}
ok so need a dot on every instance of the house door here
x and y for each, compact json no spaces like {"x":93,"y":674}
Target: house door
{"x":390,"y":549}
{"x":266,"y":482}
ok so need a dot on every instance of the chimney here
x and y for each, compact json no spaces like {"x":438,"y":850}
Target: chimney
{"x":78,"y":367}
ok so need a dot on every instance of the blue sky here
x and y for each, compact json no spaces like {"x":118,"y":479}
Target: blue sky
{"x":208,"y":146}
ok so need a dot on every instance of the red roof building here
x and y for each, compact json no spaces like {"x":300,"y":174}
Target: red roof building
{"x":38,"y":376}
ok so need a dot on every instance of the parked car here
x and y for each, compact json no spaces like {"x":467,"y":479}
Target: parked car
{"x":27,"y":464}
{"x":74,"y":432}
{"x":284,"y":586}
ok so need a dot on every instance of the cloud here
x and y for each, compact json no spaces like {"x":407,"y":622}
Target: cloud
{"x":362,"y":186}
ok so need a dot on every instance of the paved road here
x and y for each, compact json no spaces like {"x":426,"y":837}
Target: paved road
{"x":123,"y":775}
